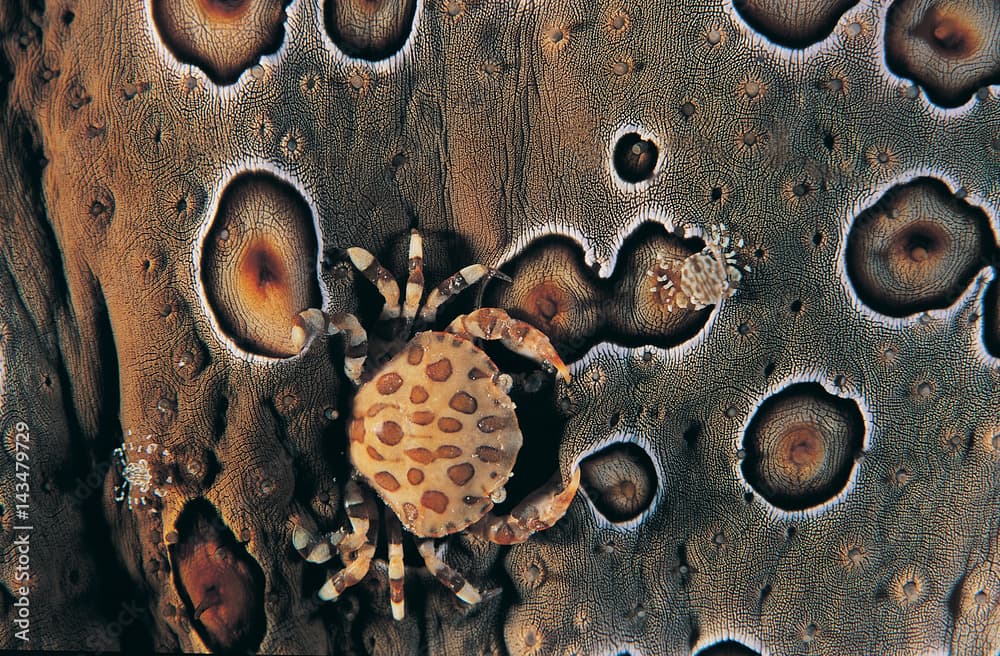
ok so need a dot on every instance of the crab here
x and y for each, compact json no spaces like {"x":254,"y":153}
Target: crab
{"x":704,"y":278}
{"x":137,"y":460}
{"x":433,"y":431}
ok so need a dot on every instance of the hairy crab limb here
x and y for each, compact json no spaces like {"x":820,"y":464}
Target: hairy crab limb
{"x":519,"y":336}
{"x":314,"y":322}
{"x":539,"y":511}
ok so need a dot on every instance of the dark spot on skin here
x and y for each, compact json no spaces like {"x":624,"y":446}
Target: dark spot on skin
{"x":415,"y":476}
{"x":461,"y":474}
{"x":390,"y":433}
{"x":476,"y":373}
{"x":491,"y":424}
{"x":388,"y":383}
{"x":434,"y":500}
{"x":374,"y":455}
{"x":422,"y":417}
{"x":439,"y":371}
{"x":415,"y":354}
{"x":423,"y":456}
{"x":387,"y":481}
{"x":449,"y":425}
{"x":488,"y":454}
{"x":418,"y":394}
{"x":448,"y":451}
{"x":463,"y":403}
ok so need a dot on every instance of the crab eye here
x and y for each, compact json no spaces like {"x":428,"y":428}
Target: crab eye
{"x":498,"y":495}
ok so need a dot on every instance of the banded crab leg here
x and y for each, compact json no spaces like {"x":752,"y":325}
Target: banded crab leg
{"x":310,"y":323}
{"x":415,"y":281}
{"x":379,"y":276}
{"x":397,"y":570}
{"x":519,"y":336}
{"x":447,"y":575}
{"x":539,"y":511}
{"x":355,"y":549}
{"x":455,"y":284}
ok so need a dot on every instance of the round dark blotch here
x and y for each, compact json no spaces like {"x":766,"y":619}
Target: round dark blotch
{"x":728,"y":648}
{"x":388,"y":383}
{"x":221,"y":37}
{"x":949,"y":49}
{"x":422,"y":417}
{"x":491,"y":424}
{"x":386,"y":481}
{"x":463,"y":402}
{"x":449,"y":425}
{"x":389,"y":432}
{"x":552,"y":290}
{"x":258,"y":263}
{"x":620,"y":480}
{"x":461,"y":474}
{"x":434,"y":500}
{"x":801,"y":445}
{"x":439,"y":371}
{"x":418,"y":394}
{"x":916,"y":249}
{"x":220,"y":584}
{"x":369,"y":29}
{"x":791,"y":24}
{"x":488,"y":454}
{"x":448,"y":451}
{"x":421,"y":455}
{"x":635,"y":158}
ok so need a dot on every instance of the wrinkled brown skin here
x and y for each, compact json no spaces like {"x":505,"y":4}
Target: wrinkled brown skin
{"x":113,"y":157}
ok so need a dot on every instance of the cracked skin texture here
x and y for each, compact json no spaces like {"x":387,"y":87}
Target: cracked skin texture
{"x":114,"y":165}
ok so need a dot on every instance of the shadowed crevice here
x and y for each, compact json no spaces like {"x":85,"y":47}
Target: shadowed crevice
{"x":221,"y":585}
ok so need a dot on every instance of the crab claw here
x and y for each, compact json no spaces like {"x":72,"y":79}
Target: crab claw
{"x":518,"y":336}
{"x":539,"y":511}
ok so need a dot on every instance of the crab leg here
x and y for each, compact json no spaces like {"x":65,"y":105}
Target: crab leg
{"x":394,"y":530}
{"x":540,"y":510}
{"x":379,"y":276}
{"x":455,"y":284}
{"x":448,"y":576}
{"x":415,"y":282}
{"x":520,"y":337}
{"x":355,"y":549}
{"x":315,"y":549}
{"x":313,"y":322}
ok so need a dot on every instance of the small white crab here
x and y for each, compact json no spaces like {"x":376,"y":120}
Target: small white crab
{"x":704,"y":278}
{"x":137,"y":469}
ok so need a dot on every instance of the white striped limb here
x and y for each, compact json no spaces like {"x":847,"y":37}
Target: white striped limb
{"x":310,"y":323}
{"x":448,"y":576}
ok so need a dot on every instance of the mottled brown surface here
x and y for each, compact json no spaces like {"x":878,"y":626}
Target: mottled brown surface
{"x":521,"y":135}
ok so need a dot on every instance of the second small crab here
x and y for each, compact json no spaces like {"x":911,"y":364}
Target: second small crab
{"x":433,"y":430}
